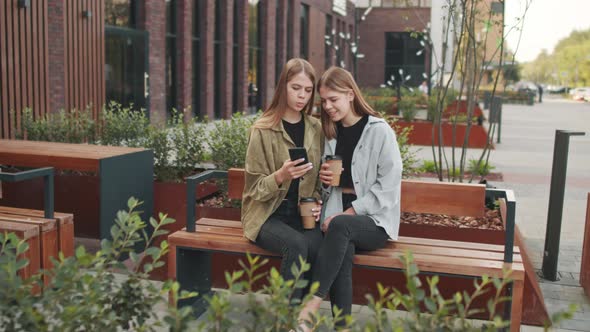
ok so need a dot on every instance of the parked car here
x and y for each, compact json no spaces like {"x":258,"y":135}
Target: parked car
{"x":556,"y":89}
{"x":580,"y":93}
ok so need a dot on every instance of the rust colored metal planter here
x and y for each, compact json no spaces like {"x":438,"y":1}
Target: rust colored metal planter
{"x":422,"y":134}
{"x":76,"y":194}
{"x":170,"y":198}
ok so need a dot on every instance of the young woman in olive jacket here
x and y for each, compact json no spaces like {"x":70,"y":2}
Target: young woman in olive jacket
{"x":274,"y":183}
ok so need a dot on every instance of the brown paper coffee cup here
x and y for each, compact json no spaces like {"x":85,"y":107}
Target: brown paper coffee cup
{"x":306,"y":204}
{"x":335,"y":163}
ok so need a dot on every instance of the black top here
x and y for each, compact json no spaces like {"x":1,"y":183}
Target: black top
{"x":347,"y":139}
{"x":296,"y":132}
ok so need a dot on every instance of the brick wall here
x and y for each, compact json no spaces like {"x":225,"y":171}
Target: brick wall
{"x":184,"y":55}
{"x":154,"y":21}
{"x":56,"y":49}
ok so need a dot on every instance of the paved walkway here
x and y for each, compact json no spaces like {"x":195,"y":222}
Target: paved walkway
{"x":524,"y":157}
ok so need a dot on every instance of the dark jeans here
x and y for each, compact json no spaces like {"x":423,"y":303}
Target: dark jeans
{"x":333,"y":268}
{"x":283,"y":233}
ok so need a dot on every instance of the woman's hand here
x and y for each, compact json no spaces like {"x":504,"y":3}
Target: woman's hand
{"x":327,"y":222}
{"x":326,"y":174}
{"x":317,"y":211}
{"x":289,"y":171}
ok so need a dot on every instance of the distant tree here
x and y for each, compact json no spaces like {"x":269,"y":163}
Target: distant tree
{"x":569,"y":64}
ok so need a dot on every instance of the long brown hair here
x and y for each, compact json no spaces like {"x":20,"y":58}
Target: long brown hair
{"x":273,"y":114}
{"x":340,"y":80}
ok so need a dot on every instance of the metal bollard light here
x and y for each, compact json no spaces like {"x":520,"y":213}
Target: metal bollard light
{"x":556,"y":196}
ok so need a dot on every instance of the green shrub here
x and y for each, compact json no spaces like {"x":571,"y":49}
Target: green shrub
{"x":75,"y":126}
{"x":381,"y":104}
{"x":429,"y":166}
{"x":407,"y":107}
{"x":228,"y":141}
{"x":84,"y":294}
{"x":478,"y":168}
{"x":409,"y":158}
{"x":378,"y":92}
{"x":187,"y":142}
{"x":123,"y":126}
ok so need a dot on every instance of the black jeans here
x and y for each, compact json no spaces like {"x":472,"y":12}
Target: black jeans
{"x":333,"y":268}
{"x":283,"y":233}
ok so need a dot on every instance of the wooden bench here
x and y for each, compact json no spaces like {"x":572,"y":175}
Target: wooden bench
{"x":117,"y":174}
{"x":53,"y":233}
{"x":191,"y":248}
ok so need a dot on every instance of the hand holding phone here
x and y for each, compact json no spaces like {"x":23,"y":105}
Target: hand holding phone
{"x":298,"y":153}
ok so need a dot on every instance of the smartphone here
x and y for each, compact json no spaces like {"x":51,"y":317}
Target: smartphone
{"x":298,"y":153}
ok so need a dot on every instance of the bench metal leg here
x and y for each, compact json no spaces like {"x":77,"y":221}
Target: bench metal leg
{"x":193,"y":273}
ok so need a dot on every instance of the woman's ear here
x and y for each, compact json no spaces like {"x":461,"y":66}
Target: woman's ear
{"x":350,"y":95}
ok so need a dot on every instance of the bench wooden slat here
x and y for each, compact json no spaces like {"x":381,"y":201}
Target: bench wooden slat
{"x":65,"y":226}
{"x":30,"y":234}
{"x":48,"y":239}
{"x":391,"y":248}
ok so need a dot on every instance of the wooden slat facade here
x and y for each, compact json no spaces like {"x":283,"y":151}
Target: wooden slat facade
{"x":23,"y":57}
{"x":25,"y":40}
{"x":84,"y":54}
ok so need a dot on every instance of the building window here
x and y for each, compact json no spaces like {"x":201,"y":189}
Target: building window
{"x":170,"y":55}
{"x":328,"y":42}
{"x":235,"y":57}
{"x":254,"y":55}
{"x":304,"y":37}
{"x":217,"y":44}
{"x":121,"y":13}
{"x":400,"y":53}
{"x":196,"y":49}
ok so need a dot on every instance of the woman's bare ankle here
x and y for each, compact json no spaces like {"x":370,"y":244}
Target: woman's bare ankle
{"x":310,"y":308}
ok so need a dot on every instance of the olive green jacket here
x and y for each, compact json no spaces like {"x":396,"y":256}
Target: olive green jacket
{"x":267,"y":151}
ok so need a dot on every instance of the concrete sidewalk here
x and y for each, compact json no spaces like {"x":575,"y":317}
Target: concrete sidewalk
{"x":525,"y":157}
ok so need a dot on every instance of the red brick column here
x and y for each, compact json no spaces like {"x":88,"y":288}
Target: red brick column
{"x":184,"y":48}
{"x":227,"y":26}
{"x":242,"y":76}
{"x":207,"y":57}
{"x":268,"y":32}
{"x":154,"y":22}
{"x":56,"y":50}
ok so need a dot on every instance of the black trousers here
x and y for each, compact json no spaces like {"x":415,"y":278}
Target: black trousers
{"x":333,"y":266}
{"x":283,"y":233}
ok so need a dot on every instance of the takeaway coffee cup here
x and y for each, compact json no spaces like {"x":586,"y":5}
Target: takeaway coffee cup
{"x":306,"y":205}
{"x":335,"y":163}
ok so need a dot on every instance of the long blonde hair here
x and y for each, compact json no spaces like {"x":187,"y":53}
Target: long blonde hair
{"x":340,"y":80}
{"x":273,"y":114}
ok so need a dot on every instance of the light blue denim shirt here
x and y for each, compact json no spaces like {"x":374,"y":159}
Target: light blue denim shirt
{"x":376,"y":170}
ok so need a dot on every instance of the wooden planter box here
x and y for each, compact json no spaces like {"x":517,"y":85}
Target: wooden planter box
{"x":422,"y":134}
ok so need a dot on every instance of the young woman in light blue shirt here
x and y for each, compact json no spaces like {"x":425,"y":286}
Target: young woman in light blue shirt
{"x":363,"y":212}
